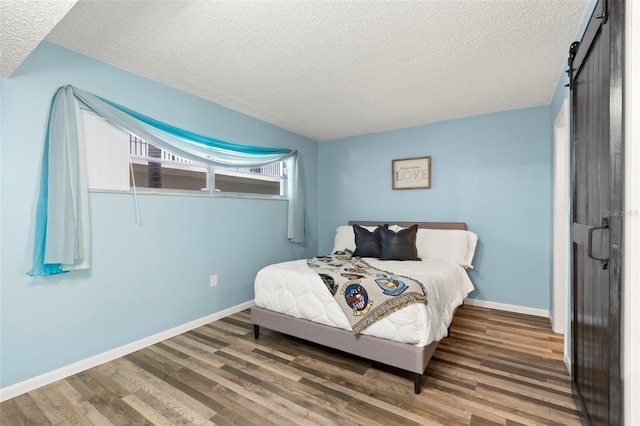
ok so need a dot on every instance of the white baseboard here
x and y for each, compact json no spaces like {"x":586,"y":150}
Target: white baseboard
{"x":85,"y":364}
{"x":567,"y":362}
{"x":509,"y":308}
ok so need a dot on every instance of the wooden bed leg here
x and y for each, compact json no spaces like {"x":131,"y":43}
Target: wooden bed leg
{"x":256,"y":331}
{"x":417,"y":382}
{"x":449,"y":331}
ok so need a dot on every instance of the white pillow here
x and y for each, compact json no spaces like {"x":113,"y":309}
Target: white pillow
{"x":346,"y":238}
{"x":454,"y":245}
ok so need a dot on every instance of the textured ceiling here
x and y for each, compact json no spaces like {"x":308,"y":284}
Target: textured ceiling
{"x":23,"y":24}
{"x":330,"y":69}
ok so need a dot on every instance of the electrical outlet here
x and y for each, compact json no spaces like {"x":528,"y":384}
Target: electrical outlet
{"x":213,"y":280}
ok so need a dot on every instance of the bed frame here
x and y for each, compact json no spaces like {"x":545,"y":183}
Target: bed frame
{"x":400,"y":355}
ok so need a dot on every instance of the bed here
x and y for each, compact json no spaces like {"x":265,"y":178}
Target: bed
{"x":291,"y":298}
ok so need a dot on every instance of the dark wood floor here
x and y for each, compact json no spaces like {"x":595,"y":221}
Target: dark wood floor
{"x":496,"y":368}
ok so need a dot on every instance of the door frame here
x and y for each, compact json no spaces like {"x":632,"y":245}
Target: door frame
{"x":631,"y":289}
{"x":561,"y":217}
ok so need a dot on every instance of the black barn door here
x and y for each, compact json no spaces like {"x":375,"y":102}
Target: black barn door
{"x":597,"y":214}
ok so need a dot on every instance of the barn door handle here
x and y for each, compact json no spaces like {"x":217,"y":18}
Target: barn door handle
{"x":605,"y":225}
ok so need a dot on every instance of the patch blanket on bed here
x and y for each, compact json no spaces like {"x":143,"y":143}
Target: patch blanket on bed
{"x":365,"y":294}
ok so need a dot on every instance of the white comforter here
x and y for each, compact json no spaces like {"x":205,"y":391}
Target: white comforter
{"x":294,"y":289}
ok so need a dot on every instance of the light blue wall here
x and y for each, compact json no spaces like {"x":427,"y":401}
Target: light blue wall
{"x":491,"y":171}
{"x":144,"y":279}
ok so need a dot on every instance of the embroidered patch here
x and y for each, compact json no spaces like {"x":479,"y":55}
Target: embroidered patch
{"x":329,"y":261}
{"x":343,"y":255}
{"x":391,"y":286}
{"x":352,"y":277}
{"x":330,"y":283}
{"x":357,"y":298}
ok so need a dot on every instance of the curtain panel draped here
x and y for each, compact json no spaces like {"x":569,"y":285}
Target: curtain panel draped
{"x":62,"y":234}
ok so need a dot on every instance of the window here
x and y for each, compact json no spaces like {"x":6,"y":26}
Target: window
{"x":118,"y":160}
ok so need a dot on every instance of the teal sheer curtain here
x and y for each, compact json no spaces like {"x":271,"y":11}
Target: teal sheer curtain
{"x":62,"y":231}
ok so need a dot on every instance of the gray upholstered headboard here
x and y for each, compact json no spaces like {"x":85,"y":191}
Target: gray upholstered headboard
{"x":430,"y":225}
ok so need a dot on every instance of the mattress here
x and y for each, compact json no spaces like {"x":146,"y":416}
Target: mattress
{"x":294,"y":289}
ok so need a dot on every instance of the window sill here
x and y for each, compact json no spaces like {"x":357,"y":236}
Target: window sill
{"x":179,"y":193}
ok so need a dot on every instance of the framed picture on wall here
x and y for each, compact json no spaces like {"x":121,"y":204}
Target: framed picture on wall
{"x":411,"y":173}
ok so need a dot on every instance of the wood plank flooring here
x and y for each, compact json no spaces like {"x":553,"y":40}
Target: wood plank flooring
{"x":495,"y":368}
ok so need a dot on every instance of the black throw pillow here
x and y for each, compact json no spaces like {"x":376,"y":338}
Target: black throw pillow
{"x":399,"y":245}
{"x":367,"y":242}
